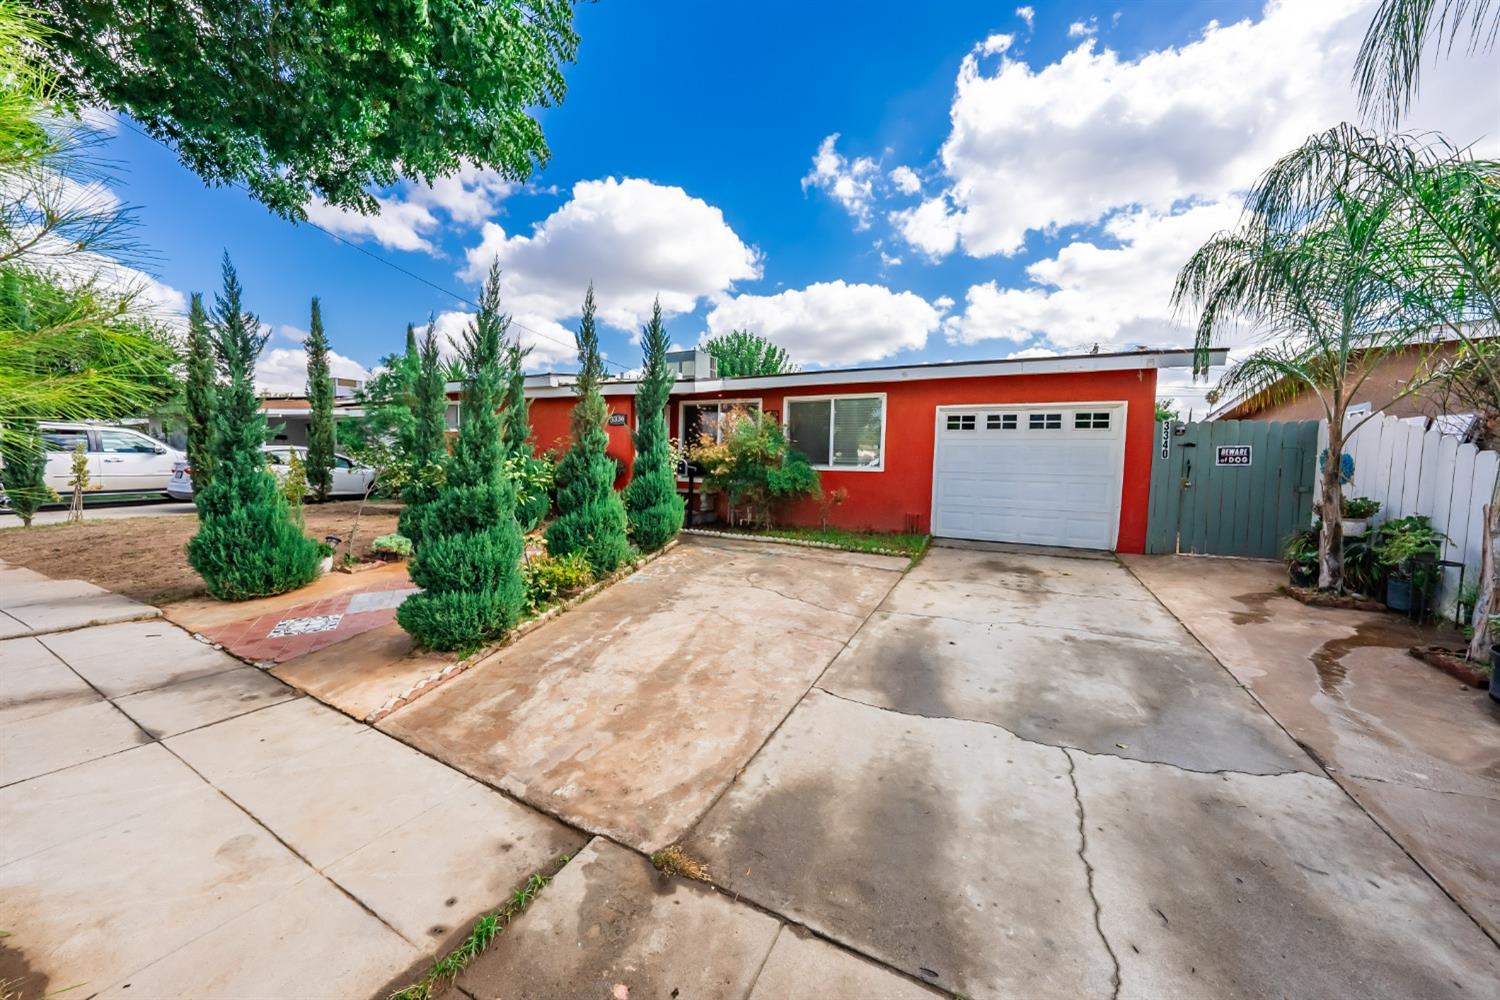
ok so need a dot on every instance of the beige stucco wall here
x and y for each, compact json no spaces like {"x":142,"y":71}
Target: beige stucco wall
{"x":1389,"y":378}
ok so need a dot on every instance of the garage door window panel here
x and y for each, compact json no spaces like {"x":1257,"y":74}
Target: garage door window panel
{"x":839,"y":432}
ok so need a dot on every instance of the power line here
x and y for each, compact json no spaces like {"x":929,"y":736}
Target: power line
{"x":379,"y":259}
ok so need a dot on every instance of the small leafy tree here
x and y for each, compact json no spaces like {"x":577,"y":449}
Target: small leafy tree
{"x":202,"y":384}
{"x":320,"y":402}
{"x":754,"y":466}
{"x":79,"y":481}
{"x":741,"y":353}
{"x":23,"y":467}
{"x":469,"y":560}
{"x":651,"y":502}
{"x":246,"y":545}
{"x":294,"y":488}
{"x":591,"y":517}
{"x":427,"y":444}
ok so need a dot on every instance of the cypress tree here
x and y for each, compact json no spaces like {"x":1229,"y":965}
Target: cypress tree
{"x":469,"y":562}
{"x":320,"y":401}
{"x":591,"y":517}
{"x":532,"y":504}
{"x":651,"y":502}
{"x":23,"y":468}
{"x":428,"y":444}
{"x":246,"y":545}
{"x":202,"y":383}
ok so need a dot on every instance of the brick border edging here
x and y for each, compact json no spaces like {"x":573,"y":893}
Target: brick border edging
{"x":435,"y":680}
{"x":1453,"y":663}
{"x":799,"y":542}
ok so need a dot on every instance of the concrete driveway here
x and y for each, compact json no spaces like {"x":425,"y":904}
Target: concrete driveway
{"x":1023,"y":777}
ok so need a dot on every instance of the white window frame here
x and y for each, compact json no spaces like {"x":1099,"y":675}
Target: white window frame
{"x":721,"y":403}
{"x":885,"y":418}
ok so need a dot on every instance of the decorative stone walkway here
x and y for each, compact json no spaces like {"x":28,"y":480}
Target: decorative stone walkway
{"x":280,"y":634}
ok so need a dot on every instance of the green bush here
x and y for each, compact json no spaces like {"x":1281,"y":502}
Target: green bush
{"x":23,"y":466}
{"x":534,"y":477}
{"x":246,"y":545}
{"x":549,"y":579}
{"x":590,"y":515}
{"x":425,"y":447}
{"x":468,"y":560}
{"x":393,"y":544}
{"x":652,"y":505}
{"x":1361,"y":508}
{"x":754,"y":466}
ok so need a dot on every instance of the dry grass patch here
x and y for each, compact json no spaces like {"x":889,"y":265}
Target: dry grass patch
{"x":675,"y":861}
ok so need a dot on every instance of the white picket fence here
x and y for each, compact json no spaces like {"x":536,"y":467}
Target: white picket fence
{"x":1414,"y":469}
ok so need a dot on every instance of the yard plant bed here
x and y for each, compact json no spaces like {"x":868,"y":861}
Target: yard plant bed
{"x":1322,"y":599}
{"x":912,"y":546}
{"x":1454,"y":663}
{"x":145,"y":557}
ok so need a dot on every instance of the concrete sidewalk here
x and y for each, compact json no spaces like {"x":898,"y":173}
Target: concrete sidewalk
{"x":174,"y":823}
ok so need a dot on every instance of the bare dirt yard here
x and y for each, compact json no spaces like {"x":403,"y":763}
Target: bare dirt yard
{"x":146,"y":558}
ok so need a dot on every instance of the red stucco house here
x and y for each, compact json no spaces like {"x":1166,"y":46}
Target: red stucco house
{"x":1052,"y":451}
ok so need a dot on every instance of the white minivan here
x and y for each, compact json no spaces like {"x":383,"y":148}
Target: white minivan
{"x":120,"y":460}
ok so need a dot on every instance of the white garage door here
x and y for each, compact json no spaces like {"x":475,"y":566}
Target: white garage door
{"x":1043,"y":475}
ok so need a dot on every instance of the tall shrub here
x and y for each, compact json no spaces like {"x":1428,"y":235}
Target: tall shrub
{"x":591,"y":517}
{"x":320,"y":403}
{"x":755,"y":467}
{"x":246,"y":545}
{"x":23,"y":464}
{"x":652,"y":505}
{"x":427,"y":444}
{"x":531,"y":474}
{"x":202,"y":383}
{"x":469,"y":561}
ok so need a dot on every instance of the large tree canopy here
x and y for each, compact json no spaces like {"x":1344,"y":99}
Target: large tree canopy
{"x":297,"y":99}
{"x":741,"y":353}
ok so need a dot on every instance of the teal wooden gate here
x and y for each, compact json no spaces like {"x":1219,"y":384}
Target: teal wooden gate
{"x":1231,"y":487}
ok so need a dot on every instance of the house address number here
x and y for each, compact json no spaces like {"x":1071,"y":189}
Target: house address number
{"x":1232,"y":454}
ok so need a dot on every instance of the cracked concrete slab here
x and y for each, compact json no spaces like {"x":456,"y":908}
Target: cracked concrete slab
{"x":1044,"y":592}
{"x":167,"y":859}
{"x":327,"y":785}
{"x":630,"y":713}
{"x":609,"y":920}
{"x":201,"y":701}
{"x":34,"y":682}
{"x":1102,"y":694}
{"x":947,"y":849}
{"x":125,"y":658}
{"x":45,"y":743}
{"x":1240,"y":885}
{"x":45,"y":605}
{"x":804,"y":967}
{"x":1412,"y":745}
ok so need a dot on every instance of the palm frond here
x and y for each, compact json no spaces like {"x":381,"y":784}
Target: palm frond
{"x":1388,"y":69}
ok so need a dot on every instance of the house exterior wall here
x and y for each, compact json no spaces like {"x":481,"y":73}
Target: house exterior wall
{"x":899,"y":496}
{"x":1388,"y":379}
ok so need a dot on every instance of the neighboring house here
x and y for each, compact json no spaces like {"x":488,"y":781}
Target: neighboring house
{"x":1388,"y":379}
{"x":288,"y":414}
{"x":1053,"y":451}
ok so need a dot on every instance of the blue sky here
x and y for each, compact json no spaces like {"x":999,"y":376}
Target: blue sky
{"x":1003,"y":180}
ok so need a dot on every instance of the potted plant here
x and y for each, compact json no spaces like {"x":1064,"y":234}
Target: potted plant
{"x":1301,"y":553}
{"x":1357,"y":514}
{"x":1407,"y":548}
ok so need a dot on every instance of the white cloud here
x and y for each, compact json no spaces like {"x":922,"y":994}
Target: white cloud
{"x":931,"y":227}
{"x":1084,"y":29}
{"x":469,"y":197}
{"x":633,"y":239}
{"x":397,"y":225}
{"x":1027,"y":14}
{"x":906,"y":180}
{"x":851,"y":183}
{"x":1087,"y":294}
{"x":832,"y":323}
{"x":284,"y":369}
{"x":1093,"y":133}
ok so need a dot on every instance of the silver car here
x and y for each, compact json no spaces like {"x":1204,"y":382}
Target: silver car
{"x":120,"y":460}
{"x":349,"y":479}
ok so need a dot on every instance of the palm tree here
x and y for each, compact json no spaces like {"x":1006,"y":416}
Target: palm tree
{"x":1446,"y":207}
{"x":1318,"y":297}
{"x":1388,"y":69}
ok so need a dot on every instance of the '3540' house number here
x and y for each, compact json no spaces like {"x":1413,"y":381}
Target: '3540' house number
{"x":1232,"y":454}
